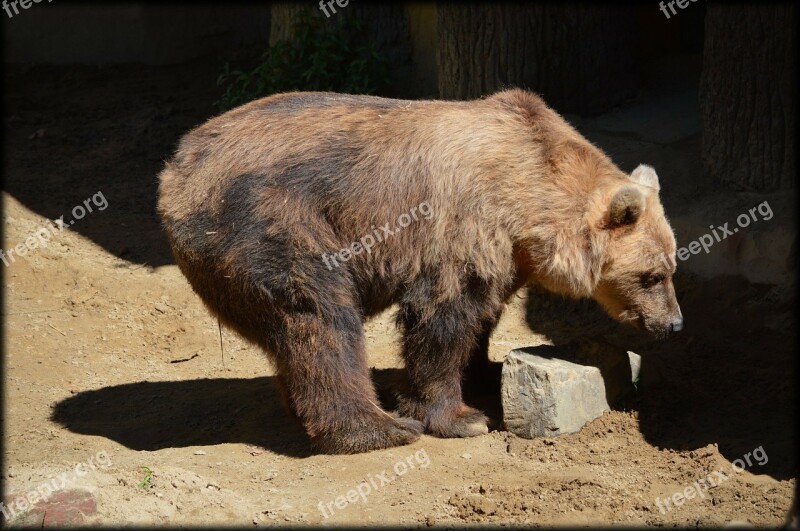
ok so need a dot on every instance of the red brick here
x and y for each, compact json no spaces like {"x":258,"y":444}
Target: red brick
{"x":67,"y":507}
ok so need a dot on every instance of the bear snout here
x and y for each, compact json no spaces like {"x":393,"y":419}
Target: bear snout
{"x":660,"y":328}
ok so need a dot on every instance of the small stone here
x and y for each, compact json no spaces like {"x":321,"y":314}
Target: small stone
{"x":200,"y":452}
{"x":466,"y":456}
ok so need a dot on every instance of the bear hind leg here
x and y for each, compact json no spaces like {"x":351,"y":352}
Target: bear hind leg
{"x":324,"y":371}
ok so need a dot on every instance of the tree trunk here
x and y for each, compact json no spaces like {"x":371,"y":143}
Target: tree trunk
{"x":579,"y":58}
{"x":748,"y":96}
{"x":282,"y":20}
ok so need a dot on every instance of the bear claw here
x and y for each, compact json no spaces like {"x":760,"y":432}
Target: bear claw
{"x":410,"y":424}
{"x":479,"y":428}
{"x":467,"y":424}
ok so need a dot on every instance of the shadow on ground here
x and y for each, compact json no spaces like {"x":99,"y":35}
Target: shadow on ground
{"x":109,"y":130}
{"x":728,"y":378}
{"x":155,"y":415}
{"x":152,"y":416}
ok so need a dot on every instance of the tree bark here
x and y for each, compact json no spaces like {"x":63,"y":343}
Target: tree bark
{"x":282,"y":20}
{"x":748,"y":96}
{"x":579,"y":58}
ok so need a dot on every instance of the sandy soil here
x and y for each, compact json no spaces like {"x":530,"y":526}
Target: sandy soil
{"x":108,"y":350}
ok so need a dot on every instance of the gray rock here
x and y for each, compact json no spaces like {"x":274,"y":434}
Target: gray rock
{"x":544,"y":395}
{"x":636,"y":365}
{"x":618,"y":367}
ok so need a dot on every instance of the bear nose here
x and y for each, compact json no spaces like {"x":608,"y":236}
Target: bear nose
{"x":676,"y":325}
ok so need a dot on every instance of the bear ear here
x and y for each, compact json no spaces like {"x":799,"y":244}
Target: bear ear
{"x":626,"y":207}
{"x":646,"y":176}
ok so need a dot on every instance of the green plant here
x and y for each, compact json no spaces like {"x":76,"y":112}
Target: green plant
{"x":339,"y":58}
{"x":148,"y":476}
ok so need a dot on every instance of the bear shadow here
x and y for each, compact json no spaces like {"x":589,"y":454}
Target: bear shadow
{"x":695,"y":388}
{"x":150,"y":416}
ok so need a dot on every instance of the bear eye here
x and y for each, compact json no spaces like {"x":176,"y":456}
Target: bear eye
{"x":650,"y":280}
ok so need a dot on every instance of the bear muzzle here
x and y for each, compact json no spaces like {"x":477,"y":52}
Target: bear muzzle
{"x":676,"y":325}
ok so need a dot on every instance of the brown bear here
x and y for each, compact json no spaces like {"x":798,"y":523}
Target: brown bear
{"x":297,"y":216}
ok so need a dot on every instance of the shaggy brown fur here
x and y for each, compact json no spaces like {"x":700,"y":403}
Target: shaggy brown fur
{"x":255,"y":197}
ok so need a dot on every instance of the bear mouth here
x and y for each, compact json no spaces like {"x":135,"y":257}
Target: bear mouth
{"x":654,"y":330}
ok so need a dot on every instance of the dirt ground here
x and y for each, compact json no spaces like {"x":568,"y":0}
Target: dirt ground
{"x":108,"y":350}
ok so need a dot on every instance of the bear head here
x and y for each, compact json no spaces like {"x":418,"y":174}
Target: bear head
{"x":635,"y":281}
